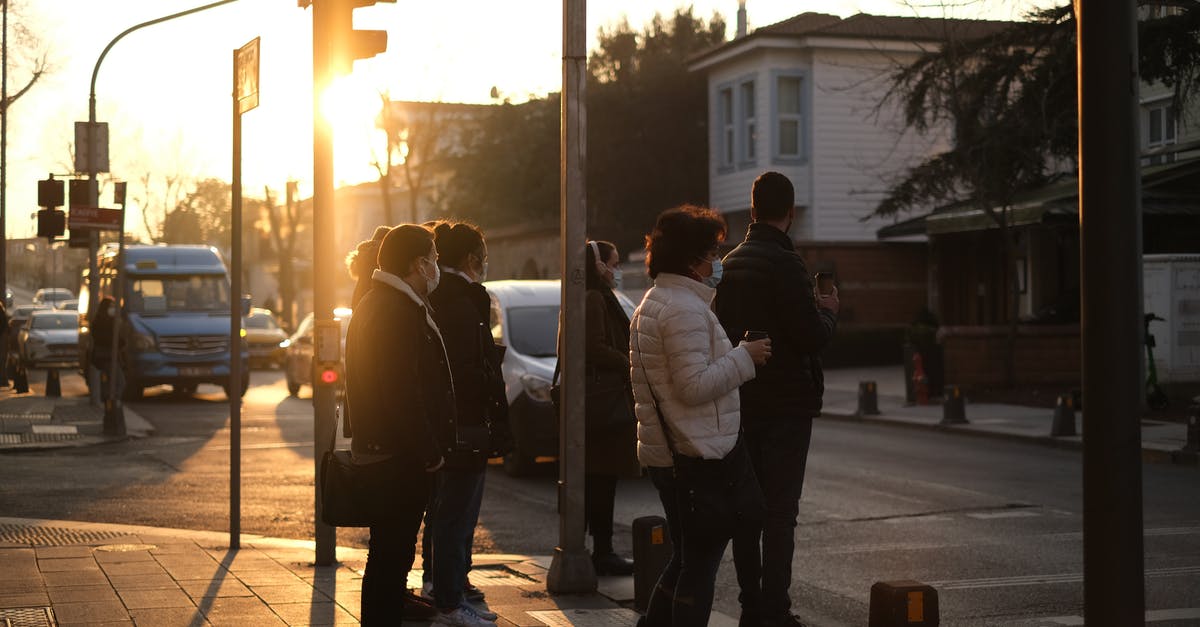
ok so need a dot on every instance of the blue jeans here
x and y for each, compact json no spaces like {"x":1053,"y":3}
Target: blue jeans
{"x":684,"y":594}
{"x":452,"y":525}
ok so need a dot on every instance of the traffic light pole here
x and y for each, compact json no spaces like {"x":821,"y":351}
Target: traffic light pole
{"x":324,"y":263}
{"x":571,"y":569}
{"x":1110,"y":243}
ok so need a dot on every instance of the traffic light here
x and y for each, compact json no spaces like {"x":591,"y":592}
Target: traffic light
{"x":346,"y":45}
{"x":51,"y":223}
{"x":50,"y":193}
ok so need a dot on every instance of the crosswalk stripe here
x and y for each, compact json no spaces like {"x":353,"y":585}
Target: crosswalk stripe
{"x":1029,"y":580}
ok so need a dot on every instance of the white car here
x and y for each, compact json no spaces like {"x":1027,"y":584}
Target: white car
{"x":51,"y":296}
{"x":50,"y":339}
{"x":524,"y":318}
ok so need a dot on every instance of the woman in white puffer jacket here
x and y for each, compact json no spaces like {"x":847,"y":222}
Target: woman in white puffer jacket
{"x":685,"y":372}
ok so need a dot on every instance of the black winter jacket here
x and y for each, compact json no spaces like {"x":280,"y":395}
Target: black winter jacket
{"x":462,"y":311}
{"x":397,"y":380}
{"x":766,"y":287}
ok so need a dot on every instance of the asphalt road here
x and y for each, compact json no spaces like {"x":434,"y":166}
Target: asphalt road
{"x":995,"y":526}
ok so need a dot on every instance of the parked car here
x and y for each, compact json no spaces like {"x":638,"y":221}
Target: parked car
{"x":298,"y":349}
{"x":525,"y":319}
{"x":8,"y":297}
{"x":68,"y":305}
{"x":51,"y":296}
{"x":49,"y":339}
{"x":263,"y":336}
{"x":17,"y":317}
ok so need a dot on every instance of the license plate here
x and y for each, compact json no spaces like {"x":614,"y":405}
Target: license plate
{"x":194,"y":371}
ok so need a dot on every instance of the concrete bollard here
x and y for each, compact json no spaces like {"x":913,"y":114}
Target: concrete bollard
{"x":1064,"y":417}
{"x":53,"y":384}
{"x":651,"y":552}
{"x":868,"y":399}
{"x":21,"y":381}
{"x":954,"y":411}
{"x":903,"y":603}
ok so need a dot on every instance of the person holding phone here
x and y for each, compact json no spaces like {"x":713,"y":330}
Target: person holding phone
{"x":768,"y":291}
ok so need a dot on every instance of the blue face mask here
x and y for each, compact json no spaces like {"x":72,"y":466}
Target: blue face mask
{"x":717,"y":270}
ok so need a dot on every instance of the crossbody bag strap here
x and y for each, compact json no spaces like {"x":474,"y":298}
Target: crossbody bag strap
{"x":662,"y":420}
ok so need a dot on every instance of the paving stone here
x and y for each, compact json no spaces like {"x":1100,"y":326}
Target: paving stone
{"x":23,"y":599}
{"x":90,"y":612}
{"x":107,"y":623}
{"x":75,"y":578}
{"x":267,"y":578}
{"x":614,"y":617}
{"x":328,"y":613}
{"x":142,"y":582}
{"x":238,"y":612}
{"x":112,"y":557}
{"x":197,"y":572}
{"x":132,"y":568}
{"x":292,"y":593}
{"x":155,"y":598}
{"x":200,"y":588}
{"x":168,"y":617}
{"x":52,"y":552}
{"x":79,"y":594}
{"x":72,"y":564}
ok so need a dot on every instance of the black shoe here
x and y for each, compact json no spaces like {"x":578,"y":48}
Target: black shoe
{"x":612,"y":565}
{"x":472,"y":593}
{"x":749,"y":620}
{"x":417,"y":608}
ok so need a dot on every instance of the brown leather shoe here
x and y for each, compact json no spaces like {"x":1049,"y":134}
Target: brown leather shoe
{"x":417,"y":607}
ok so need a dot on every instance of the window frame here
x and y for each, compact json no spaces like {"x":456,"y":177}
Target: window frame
{"x":803,"y":142}
{"x":725,"y":125}
{"x":747,"y":122}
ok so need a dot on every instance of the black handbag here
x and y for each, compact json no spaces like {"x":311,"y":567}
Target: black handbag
{"x":608,"y":399}
{"x":355,"y":494}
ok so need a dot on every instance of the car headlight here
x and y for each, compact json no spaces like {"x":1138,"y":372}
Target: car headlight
{"x":536,"y":387}
{"x":286,"y":343}
{"x":142,"y":342}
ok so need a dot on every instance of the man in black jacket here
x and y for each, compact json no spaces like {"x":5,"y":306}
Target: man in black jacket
{"x":767,"y":288}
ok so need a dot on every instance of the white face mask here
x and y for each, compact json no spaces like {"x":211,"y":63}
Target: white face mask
{"x":431,"y":283}
{"x":616,"y":274}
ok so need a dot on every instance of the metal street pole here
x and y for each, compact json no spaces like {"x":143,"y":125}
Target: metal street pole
{"x":4,"y":150}
{"x":1110,"y":238}
{"x":114,"y":423}
{"x":571,"y":569}
{"x":324,"y":266}
{"x":234,"y":389}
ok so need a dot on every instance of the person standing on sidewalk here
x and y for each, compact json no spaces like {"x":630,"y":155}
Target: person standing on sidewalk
{"x":685,"y":381}
{"x":399,"y":385}
{"x":767,"y":288}
{"x":462,"y":309}
{"x":612,"y":447}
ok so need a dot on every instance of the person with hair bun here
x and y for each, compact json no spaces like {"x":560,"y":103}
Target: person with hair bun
{"x":686,"y":376}
{"x":362,"y":261}
{"x":400,"y":389}
{"x":477,"y":431}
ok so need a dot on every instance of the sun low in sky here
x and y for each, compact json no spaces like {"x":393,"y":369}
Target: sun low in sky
{"x":165,"y":90}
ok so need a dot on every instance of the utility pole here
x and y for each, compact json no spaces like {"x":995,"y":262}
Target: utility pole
{"x":4,"y":151}
{"x":571,"y":569}
{"x":1110,"y":242}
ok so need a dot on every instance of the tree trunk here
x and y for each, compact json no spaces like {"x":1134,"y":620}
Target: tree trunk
{"x":1009,"y":237}
{"x":385,"y":188}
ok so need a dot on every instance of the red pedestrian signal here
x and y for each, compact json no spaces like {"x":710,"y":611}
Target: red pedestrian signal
{"x":329,"y":376}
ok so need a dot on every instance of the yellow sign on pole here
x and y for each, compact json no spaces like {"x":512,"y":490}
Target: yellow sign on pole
{"x":246,"y":81}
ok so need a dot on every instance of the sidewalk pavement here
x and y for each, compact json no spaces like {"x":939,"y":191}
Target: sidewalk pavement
{"x":34,"y":421}
{"x":1162,"y":442}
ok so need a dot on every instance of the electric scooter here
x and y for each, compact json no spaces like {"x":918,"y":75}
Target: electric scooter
{"x":1156,"y":398}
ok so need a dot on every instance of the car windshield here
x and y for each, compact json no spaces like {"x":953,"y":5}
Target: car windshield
{"x":260,"y":321}
{"x":24,"y":310}
{"x":55,"y":321}
{"x":533,"y":331}
{"x":199,"y":292}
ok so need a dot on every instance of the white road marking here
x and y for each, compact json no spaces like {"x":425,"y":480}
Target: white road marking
{"x":1152,"y":616}
{"x":1033,"y":580}
{"x":1020,"y":513}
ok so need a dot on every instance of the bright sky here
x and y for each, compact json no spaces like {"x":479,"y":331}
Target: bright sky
{"x":165,"y":90}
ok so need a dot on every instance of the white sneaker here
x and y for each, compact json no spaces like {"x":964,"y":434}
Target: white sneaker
{"x":482,"y":610}
{"x":463,"y":616}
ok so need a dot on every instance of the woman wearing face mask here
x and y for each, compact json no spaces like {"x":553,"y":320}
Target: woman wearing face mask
{"x":686,"y":376}
{"x":611,"y":443}
{"x":399,"y":385}
{"x":479,"y":430}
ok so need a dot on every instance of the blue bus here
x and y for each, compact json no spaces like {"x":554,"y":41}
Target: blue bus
{"x":175,"y":311}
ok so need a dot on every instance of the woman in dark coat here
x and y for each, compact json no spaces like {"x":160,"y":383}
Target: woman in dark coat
{"x":399,"y":385}
{"x":462,"y":308}
{"x":611,"y":451}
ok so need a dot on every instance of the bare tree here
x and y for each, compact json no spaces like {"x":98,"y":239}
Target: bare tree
{"x":421,"y":134}
{"x":284,"y":224}
{"x":383,"y":165}
{"x":26,"y":56}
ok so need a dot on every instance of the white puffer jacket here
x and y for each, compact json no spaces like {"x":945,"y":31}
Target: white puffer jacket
{"x":694,"y":369}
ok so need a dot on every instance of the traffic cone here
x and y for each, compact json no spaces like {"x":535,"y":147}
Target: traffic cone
{"x":1064,"y":417}
{"x":53,"y":384}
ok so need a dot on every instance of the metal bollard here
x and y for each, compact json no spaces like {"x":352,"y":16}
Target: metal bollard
{"x":954,"y":412}
{"x":53,"y":384}
{"x":1193,"y":429}
{"x":903,"y":603}
{"x":21,"y":381}
{"x":868,"y":399}
{"x":1064,"y":417}
{"x":651,"y":551}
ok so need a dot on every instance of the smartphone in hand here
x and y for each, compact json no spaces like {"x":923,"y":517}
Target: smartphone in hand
{"x":824,"y":281}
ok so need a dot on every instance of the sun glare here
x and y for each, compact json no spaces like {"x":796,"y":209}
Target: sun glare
{"x":351,"y":106}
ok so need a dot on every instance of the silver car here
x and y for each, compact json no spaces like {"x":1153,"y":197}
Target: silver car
{"x":50,"y":339}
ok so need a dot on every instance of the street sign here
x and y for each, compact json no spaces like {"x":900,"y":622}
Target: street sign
{"x":99,"y":147}
{"x":246,"y":77}
{"x":95,"y":218}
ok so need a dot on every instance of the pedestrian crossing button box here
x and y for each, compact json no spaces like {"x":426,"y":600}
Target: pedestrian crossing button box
{"x":903,"y":603}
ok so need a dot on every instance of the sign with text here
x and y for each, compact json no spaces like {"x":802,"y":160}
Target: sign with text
{"x":95,"y":218}
{"x":246,"y":79}
{"x":94,"y":153}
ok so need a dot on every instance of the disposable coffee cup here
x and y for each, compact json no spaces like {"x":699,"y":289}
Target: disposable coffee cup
{"x":754,"y":336}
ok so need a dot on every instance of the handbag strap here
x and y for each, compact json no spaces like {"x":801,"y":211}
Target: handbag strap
{"x":662,"y":421}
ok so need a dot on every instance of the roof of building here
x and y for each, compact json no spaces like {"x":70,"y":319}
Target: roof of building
{"x":864,"y":26}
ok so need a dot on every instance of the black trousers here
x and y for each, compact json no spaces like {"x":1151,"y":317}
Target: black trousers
{"x":599,"y":498}
{"x":763,"y":557}
{"x":390,"y":553}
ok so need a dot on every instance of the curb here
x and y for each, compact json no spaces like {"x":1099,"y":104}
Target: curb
{"x":136,"y":427}
{"x":1075,"y":443}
